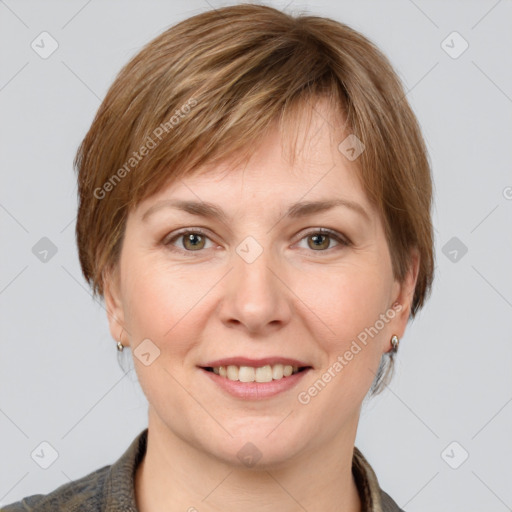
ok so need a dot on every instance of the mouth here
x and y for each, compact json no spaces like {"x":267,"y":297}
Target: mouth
{"x":260,"y":374}
{"x":255,"y":379}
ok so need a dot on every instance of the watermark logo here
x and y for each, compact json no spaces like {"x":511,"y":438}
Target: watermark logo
{"x":249,"y":455}
{"x":249,"y":249}
{"x":44,"y":45}
{"x":351,"y":147}
{"x":454,"y":455}
{"x":44,"y":455}
{"x":44,"y":249}
{"x":146,"y":352}
{"x":454,"y":45}
{"x":454,"y":249}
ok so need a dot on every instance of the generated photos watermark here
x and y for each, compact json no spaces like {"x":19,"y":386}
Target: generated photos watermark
{"x":304,"y":397}
{"x":150,"y":143}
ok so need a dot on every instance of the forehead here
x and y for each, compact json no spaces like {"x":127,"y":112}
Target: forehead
{"x":303,"y":162}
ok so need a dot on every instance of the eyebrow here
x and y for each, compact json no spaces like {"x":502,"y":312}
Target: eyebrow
{"x":295,"y":211}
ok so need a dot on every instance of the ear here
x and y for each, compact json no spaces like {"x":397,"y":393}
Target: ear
{"x":403,"y":294}
{"x":114,"y":306}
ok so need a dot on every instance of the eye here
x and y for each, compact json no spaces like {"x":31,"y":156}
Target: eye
{"x":193,"y":240}
{"x":319,"y":240}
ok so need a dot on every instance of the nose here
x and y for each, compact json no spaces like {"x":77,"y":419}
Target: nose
{"x":255,"y":297}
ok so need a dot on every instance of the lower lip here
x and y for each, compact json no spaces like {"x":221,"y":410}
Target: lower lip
{"x":256,"y":390}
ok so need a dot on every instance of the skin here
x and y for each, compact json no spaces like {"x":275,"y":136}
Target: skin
{"x":295,"y":300}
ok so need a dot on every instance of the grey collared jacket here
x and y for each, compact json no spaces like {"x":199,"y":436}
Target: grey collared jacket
{"x":111,"y":488}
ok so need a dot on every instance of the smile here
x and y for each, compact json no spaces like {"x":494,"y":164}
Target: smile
{"x":255,"y":379}
{"x":266,"y":373}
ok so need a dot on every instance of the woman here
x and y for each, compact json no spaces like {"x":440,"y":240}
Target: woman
{"x":254,"y":207}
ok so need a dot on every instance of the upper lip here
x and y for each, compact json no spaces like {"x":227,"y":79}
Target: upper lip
{"x":256,"y":363}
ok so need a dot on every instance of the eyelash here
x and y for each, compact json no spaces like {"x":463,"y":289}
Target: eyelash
{"x":168,"y":242}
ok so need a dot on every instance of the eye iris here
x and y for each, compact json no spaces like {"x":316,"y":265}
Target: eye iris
{"x":316,"y":238}
{"x":191,"y":237}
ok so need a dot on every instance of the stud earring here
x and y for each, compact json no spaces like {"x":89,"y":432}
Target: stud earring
{"x":120,"y":346}
{"x":394,"y":343}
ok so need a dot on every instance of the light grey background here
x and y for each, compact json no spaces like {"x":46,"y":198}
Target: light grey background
{"x":60,"y":379}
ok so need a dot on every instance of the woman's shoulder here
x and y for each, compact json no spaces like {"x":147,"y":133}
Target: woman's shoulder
{"x":388,"y":504}
{"x":84,"y":494}
{"x":373,"y":497}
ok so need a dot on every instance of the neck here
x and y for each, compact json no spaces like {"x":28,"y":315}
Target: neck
{"x":175,"y":476}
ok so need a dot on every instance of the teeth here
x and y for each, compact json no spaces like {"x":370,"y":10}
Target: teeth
{"x":265,"y":373}
{"x":246,"y":374}
{"x":232,"y":372}
{"x":277,"y":371}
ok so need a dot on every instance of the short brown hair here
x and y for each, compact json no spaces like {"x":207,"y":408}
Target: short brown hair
{"x":207,"y":88}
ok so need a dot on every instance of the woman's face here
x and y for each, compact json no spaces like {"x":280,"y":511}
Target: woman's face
{"x":258,"y":286}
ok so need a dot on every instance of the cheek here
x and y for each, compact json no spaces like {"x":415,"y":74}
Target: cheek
{"x":147,"y":313}
{"x":348,"y":300}
{"x":157,"y":299}
{"x":349,"y":306}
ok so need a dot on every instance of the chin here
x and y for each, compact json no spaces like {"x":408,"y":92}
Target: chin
{"x":261,"y":447}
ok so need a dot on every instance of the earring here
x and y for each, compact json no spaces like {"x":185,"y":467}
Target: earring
{"x":394,"y":343}
{"x":120,"y":346}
